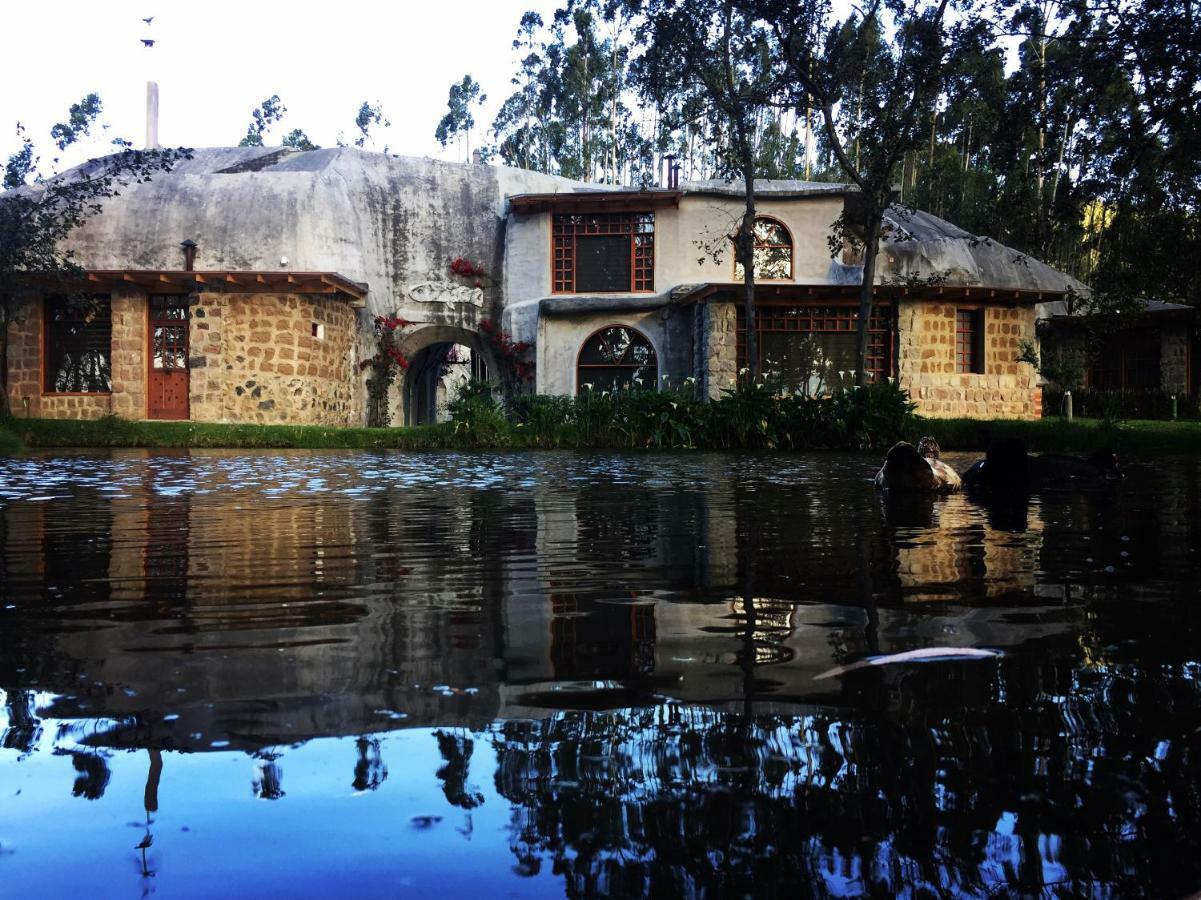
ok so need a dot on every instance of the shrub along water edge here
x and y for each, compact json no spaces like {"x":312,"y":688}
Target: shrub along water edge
{"x":748,"y":418}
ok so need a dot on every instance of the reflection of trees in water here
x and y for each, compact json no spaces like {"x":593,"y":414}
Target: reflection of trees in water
{"x":93,"y":775}
{"x":24,"y":727}
{"x":1071,"y":784}
{"x":369,"y":770}
{"x":456,"y":750}
{"x":268,"y":783}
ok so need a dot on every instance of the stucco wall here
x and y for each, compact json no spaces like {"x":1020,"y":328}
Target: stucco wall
{"x":253,"y":359}
{"x":127,"y":360}
{"x":560,"y":338}
{"x":926,"y":363}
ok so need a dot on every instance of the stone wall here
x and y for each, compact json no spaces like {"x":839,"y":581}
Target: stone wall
{"x":1174,"y":359}
{"x":253,"y":358}
{"x":128,"y":360}
{"x":926,"y":363}
{"x":717,"y":348}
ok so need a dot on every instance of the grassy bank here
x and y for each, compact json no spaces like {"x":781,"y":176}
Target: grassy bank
{"x":115,"y":432}
{"x":953,"y":434}
{"x":1080,"y":436}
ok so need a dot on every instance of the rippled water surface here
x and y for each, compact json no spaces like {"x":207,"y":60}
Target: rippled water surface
{"x":320,"y":674}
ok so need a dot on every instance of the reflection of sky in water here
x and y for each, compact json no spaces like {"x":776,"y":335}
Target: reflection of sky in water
{"x":630,"y":645}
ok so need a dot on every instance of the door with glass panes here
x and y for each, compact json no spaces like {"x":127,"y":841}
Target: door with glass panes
{"x":168,"y":382}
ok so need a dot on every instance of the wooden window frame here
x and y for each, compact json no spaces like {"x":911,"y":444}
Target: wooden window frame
{"x":969,"y":347}
{"x":44,"y":350}
{"x":831,"y":317}
{"x":566,"y":230}
{"x":584,"y":343}
{"x":791,"y":245}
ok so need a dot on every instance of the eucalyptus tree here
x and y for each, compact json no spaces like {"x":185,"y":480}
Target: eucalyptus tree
{"x":723,"y":56}
{"x":873,"y":77}
{"x":268,"y":113}
{"x":464,"y":97}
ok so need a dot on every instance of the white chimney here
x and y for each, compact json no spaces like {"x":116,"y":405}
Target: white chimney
{"x":151,"y":115}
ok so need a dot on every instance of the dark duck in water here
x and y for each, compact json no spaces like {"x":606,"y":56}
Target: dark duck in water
{"x":909,"y":469}
{"x":1007,"y":466}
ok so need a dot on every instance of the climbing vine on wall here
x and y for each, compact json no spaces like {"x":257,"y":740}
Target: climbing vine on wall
{"x":510,"y":355}
{"x":384,"y":365}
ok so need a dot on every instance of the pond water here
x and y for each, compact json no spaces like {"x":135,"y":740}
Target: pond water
{"x":319,"y":674}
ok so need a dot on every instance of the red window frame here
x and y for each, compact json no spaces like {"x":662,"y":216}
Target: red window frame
{"x":824,"y":319}
{"x":568,"y":228}
{"x":969,"y":341}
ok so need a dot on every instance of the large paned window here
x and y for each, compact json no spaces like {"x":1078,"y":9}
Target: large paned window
{"x":604,"y":253}
{"x":1128,"y":362}
{"x":77,"y":347}
{"x":810,"y":350}
{"x":969,"y":341}
{"x":617,"y":358}
{"x":772,"y":252}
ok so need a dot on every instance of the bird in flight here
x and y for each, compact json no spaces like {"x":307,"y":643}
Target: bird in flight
{"x":147,"y":43}
{"x":148,"y":21}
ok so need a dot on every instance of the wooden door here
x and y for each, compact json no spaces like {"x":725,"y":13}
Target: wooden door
{"x":168,"y":381}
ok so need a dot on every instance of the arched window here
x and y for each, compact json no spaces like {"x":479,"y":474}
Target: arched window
{"x":617,"y":358}
{"x":773,"y":251}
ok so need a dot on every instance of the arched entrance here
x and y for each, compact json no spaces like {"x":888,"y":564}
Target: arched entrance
{"x":442,"y":359}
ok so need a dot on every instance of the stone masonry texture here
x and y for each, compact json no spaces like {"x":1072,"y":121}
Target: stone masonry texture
{"x":926,"y":363}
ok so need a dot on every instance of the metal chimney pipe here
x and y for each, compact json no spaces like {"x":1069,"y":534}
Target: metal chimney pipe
{"x":189,"y":254}
{"x":151,"y":115}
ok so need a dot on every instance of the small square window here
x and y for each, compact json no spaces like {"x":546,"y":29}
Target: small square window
{"x":318,"y":331}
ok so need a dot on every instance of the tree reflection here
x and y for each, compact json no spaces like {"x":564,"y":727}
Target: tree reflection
{"x":1067,"y":788}
{"x":92,"y":777}
{"x":369,"y":770}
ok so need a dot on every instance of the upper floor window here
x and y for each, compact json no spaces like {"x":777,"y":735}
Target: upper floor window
{"x":77,"y":347}
{"x":772,"y":252}
{"x":604,"y":252}
{"x":969,"y":341}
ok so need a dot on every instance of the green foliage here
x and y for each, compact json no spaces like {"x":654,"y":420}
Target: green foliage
{"x":460,"y":118}
{"x":477,"y":416}
{"x":746,"y":417}
{"x":1115,"y":405}
{"x":1046,"y":435}
{"x":266,"y":114}
{"x":81,"y":117}
{"x":298,"y":140}
{"x":367,"y":118}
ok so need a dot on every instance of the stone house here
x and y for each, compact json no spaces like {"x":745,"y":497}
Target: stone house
{"x":243,"y":287}
{"x":1159,"y":349}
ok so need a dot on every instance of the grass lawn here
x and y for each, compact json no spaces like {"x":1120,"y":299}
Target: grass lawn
{"x":1047,"y":435}
{"x":1082,"y":435}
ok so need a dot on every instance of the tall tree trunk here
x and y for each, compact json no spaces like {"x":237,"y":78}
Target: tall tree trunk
{"x":871,"y":248}
{"x":746,"y":250}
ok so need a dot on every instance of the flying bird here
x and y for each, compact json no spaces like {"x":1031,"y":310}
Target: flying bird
{"x":147,"y":43}
{"x":148,"y":21}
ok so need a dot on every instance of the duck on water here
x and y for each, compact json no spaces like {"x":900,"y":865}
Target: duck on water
{"x":1007,"y":466}
{"x":908,"y":469}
